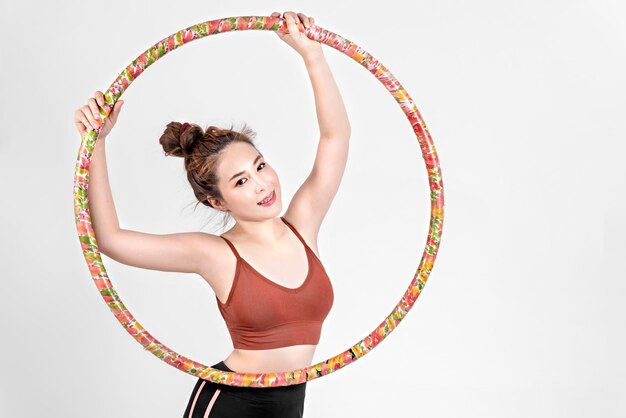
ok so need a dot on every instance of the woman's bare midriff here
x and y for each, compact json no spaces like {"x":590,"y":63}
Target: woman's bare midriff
{"x":281,"y":359}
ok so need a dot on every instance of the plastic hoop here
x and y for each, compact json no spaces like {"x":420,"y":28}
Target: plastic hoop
{"x":94,"y":261}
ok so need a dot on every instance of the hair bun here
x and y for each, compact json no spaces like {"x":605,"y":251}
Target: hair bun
{"x":179,"y":139}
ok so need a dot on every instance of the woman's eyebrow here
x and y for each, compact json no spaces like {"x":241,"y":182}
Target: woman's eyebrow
{"x":258,"y":157}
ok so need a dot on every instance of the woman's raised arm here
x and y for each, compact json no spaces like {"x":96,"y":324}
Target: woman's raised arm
{"x":312,"y":200}
{"x":189,"y":252}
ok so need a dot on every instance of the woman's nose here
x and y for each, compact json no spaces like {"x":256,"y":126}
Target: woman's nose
{"x":260,"y":185}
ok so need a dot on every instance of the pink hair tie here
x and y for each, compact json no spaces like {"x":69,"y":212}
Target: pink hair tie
{"x":182,"y":128}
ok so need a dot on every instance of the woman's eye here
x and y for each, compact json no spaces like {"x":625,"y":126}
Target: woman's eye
{"x":239,"y":182}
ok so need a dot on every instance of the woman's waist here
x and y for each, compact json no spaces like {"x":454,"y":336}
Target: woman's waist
{"x":273,"y":360}
{"x":281,"y":394}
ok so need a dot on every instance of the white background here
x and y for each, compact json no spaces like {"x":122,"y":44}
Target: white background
{"x":523,"y":313}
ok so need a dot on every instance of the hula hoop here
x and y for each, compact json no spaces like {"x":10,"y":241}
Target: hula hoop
{"x":90,"y":247}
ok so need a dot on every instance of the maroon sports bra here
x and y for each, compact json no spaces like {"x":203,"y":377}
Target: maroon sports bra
{"x":262,"y":314}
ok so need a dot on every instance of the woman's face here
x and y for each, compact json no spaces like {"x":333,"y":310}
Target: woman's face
{"x":245,"y":179}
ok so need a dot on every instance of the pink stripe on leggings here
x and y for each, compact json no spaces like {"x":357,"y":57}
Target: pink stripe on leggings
{"x":193,"y":405}
{"x":208,"y":408}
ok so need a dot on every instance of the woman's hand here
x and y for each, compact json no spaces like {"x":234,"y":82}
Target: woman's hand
{"x":297,"y":40}
{"x":88,"y":116}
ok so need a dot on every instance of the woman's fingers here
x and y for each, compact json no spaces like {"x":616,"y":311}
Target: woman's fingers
{"x":81,"y":122}
{"x":95,"y":110}
{"x":307,"y":22}
{"x":116,"y":111}
{"x":93,"y":105}
{"x":88,"y":112}
{"x":304,"y":19}
{"x":290,"y":16}
{"x":99,"y":98}
{"x":88,"y":117}
{"x":86,"y":125}
{"x":291,"y":19}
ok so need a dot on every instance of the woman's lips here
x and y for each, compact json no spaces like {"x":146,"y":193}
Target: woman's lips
{"x":270,"y":202}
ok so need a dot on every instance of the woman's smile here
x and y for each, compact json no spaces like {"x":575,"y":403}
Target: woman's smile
{"x":269,"y":201}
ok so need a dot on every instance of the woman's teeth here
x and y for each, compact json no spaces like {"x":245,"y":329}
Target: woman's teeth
{"x":266,"y":200}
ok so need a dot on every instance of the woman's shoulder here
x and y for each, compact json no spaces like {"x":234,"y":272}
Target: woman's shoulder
{"x":215,"y":259}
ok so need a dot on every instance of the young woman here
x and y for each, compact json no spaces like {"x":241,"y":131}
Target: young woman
{"x":269,"y":283}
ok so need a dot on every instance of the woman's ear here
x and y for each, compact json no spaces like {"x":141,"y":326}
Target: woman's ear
{"x":215,"y":203}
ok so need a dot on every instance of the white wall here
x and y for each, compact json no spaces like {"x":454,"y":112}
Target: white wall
{"x":522,"y":315}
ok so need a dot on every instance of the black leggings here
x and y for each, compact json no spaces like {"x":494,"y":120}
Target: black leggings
{"x":209,"y":399}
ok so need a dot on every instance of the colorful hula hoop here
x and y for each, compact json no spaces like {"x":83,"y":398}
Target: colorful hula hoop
{"x":94,"y":260}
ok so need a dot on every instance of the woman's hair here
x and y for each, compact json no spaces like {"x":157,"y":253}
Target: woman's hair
{"x":201,"y":150}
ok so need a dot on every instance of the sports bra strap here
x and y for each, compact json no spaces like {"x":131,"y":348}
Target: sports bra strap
{"x":232,"y":247}
{"x":295,"y":232}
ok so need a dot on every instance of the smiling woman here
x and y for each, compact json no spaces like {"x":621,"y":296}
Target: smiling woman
{"x":202,"y":151}
{"x":275,"y":323}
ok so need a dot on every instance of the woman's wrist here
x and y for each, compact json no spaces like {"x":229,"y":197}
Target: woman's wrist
{"x":101,"y":140}
{"x":314,"y":57}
